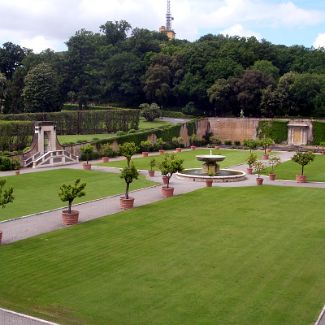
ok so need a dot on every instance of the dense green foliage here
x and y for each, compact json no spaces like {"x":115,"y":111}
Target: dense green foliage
{"x":6,"y":194}
{"x":303,"y":159}
{"x":318,"y":132}
{"x":99,"y":184}
{"x":84,"y":122}
{"x":276,"y":130}
{"x":216,"y":256}
{"x":15,"y":135}
{"x":215,"y":75}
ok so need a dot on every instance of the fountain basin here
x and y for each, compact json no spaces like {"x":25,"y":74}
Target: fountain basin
{"x":223,"y":175}
{"x":210,"y":158}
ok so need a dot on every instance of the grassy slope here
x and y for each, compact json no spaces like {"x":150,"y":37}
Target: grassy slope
{"x":36,"y":192}
{"x":143,"y":125}
{"x":216,"y":256}
{"x":315,"y":171}
{"x":233,"y":157}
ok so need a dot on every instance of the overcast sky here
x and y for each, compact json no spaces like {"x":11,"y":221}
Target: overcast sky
{"x":41,"y":24}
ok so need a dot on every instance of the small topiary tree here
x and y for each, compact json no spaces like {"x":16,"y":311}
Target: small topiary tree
{"x":274,"y":161}
{"x":258,"y":167}
{"x":150,"y":112}
{"x":127,"y":150}
{"x":252,"y":158}
{"x":87,"y":151}
{"x":106,"y":150}
{"x":6,"y":195}
{"x":250,"y":144}
{"x":129,"y":174}
{"x":170,"y":165}
{"x":146,"y":145}
{"x":152,"y":163}
{"x":68,"y":193}
{"x":265,"y":143}
{"x":303,"y":159}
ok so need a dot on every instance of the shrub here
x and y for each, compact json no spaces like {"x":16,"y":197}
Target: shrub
{"x":87,"y":151}
{"x":189,"y":109}
{"x":150,"y":112}
{"x":129,"y":174}
{"x":106,"y":150}
{"x":258,"y":167}
{"x":68,"y":193}
{"x":170,"y":165}
{"x":152,"y":163}
{"x":228,"y":142}
{"x":132,"y":131}
{"x":5,"y":163}
{"x":274,"y":161}
{"x":318,"y":132}
{"x":178,"y":141}
{"x":214,"y":139}
{"x":160,"y":144}
{"x":265,"y":143}
{"x":250,"y":144}
{"x":120,"y":133}
{"x":252,"y":158}
{"x":146,"y":145}
{"x":303,"y":159}
{"x":237,"y":143}
{"x":127,"y":150}
{"x":6,"y":195}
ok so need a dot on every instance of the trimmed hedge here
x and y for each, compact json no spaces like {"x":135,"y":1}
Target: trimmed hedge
{"x":75,"y":107}
{"x":15,"y":135}
{"x":277,"y":131}
{"x":84,"y":122}
{"x":318,"y":132}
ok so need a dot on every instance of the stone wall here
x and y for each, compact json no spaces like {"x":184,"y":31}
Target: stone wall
{"x":234,"y":129}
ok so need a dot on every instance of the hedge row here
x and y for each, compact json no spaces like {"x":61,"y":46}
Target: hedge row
{"x":277,"y":130}
{"x":75,"y":107}
{"x":318,"y":132}
{"x":84,"y":122}
{"x":15,"y":135}
{"x":167,"y":133}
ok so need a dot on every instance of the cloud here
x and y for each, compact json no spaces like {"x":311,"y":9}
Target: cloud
{"x":51,"y":22}
{"x":239,"y":30}
{"x":320,"y":41}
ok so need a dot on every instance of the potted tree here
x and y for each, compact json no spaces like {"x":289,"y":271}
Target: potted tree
{"x":106,"y":152}
{"x":87,"y":151}
{"x":250,"y":144}
{"x":259,"y":167}
{"x":146,"y":146}
{"x":6,"y":196}
{"x":251,"y":160}
{"x":129,"y":174}
{"x":168,"y":167}
{"x":16,"y":166}
{"x":178,"y":143}
{"x":152,"y":164}
{"x":265,"y":143}
{"x":128,"y":149}
{"x":160,"y":143}
{"x":274,"y":161}
{"x":303,"y":159}
{"x":68,"y":193}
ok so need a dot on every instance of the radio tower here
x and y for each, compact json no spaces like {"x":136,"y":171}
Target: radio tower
{"x":168,"y":28}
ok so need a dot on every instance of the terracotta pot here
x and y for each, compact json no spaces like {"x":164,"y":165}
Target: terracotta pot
{"x":323,"y":152}
{"x":265,"y":157}
{"x":126,"y":203}
{"x":208,"y":182}
{"x":178,"y":149}
{"x":193,"y":147}
{"x":165,"y":180}
{"x":216,"y":147}
{"x":151,"y":173}
{"x":17,"y":172}
{"x":70,"y":218}
{"x":86,"y":166}
{"x":301,"y":178}
{"x":272,"y":177}
{"x":0,"y":237}
{"x":145,"y":154}
{"x":105,"y":159}
{"x":161,"y":151}
{"x":259,"y":181}
{"x":269,"y":150}
{"x":167,"y":191}
{"x":249,"y":171}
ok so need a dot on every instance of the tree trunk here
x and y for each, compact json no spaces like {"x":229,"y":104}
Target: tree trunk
{"x":127,"y":190}
{"x":70,"y":206}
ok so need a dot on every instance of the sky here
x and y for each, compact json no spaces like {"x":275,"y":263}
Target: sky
{"x":42,"y":24}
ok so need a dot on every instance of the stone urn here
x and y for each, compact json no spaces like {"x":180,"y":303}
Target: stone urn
{"x":86,"y":166}
{"x":259,"y":181}
{"x":167,"y":191}
{"x":125,"y":203}
{"x":301,"y":178}
{"x":70,"y":218}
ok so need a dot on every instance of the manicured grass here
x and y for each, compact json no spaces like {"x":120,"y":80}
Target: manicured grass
{"x":315,"y":171}
{"x":36,"y":192}
{"x":143,"y":125}
{"x":216,"y":256}
{"x":233,"y":157}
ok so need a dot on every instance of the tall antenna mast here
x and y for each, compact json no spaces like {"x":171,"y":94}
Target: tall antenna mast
{"x":169,"y":18}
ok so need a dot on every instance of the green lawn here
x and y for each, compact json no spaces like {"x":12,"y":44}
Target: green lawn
{"x":233,"y":157}
{"x":36,"y":192}
{"x":240,"y":256}
{"x":143,"y":125}
{"x":315,"y":171}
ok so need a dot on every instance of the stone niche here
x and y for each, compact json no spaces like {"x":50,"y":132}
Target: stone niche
{"x":46,"y":136}
{"x":299,"y":132}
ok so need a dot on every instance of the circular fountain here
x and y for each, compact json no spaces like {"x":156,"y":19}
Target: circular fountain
{"x":211,"y":170}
